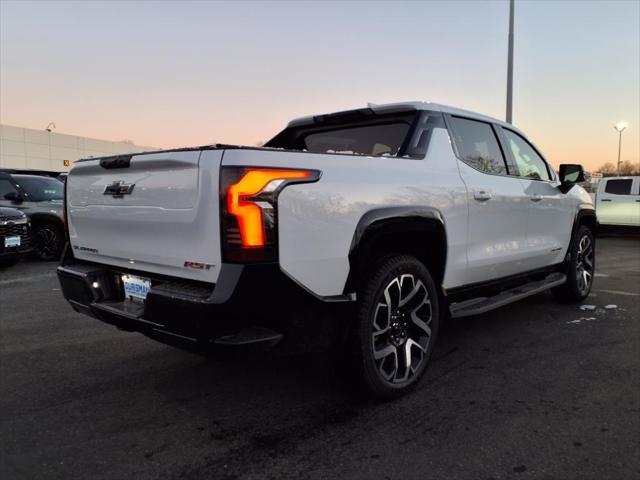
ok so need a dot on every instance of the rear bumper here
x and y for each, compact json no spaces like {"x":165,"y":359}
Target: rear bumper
{"x":250,"y":308}
{"x":11,"y":252}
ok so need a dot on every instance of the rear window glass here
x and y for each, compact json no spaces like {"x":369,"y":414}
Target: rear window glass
{"x":376,"y":136}
{"x":368,"y":140}
{"x":619,"y":187}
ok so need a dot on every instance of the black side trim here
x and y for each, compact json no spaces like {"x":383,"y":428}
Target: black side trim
{"x":488,"y":287}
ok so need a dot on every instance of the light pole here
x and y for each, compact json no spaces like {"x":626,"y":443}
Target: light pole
{"x":620,"y":127}
{"x":510,"y":66}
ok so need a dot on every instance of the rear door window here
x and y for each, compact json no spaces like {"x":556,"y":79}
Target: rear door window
{"x":619,"y":186}
{"x":478,"y":146}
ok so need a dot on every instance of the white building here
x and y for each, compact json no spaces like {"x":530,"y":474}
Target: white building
{"x":43,"y":150}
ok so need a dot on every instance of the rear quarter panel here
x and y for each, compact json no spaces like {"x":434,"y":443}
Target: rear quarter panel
{"x":317,"y":221}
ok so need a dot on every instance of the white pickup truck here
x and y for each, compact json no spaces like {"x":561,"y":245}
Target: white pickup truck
{"x":362,"y":230}
{"x":617,"y":201}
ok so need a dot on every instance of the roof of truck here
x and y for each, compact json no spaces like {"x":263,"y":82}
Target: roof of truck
{"x":402,"y":106}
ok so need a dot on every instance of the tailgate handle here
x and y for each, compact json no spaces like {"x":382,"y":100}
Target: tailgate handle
{"x":121,"y":161}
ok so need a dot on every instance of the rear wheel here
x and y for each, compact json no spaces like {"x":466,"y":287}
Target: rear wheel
{"x":48,"y":241}
{"x":580,"y":269}
{"x":397,"y":326}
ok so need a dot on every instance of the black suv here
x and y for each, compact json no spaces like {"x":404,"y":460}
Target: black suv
{"x":41,"y":199}
{"x":15,"y":239}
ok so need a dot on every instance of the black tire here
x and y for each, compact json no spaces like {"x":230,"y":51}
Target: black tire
{"x":580,"y":268}
{"x":397,"y":291}
{"x":48,"y":241}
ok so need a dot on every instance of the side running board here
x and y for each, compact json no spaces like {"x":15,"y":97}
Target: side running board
{"x":477,"y":306}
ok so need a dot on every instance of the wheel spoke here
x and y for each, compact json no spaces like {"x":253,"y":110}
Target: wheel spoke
{"x":392,"y":294}
{"x":424,"y":326}
{"x":383,"y":311}
{"x":414,"y":296}
{"x":387,"y":360}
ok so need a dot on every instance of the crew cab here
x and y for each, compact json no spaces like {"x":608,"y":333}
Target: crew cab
{"x":617,"y":201}
{"x":360,"y":231}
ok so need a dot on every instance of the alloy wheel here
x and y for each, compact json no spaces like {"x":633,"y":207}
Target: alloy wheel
{"x":401,"y":328}
{"x":584,"y":264}
{"x":46,"y":243}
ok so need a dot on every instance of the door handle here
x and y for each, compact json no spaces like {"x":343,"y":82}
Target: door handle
{"x":605,"y":200}
{"x":536,"y":198}
{"x":482,"y":196}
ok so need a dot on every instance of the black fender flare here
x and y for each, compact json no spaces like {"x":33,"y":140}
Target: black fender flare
{"x":39,"y":218}
{"x":386,"y":220}
{"x":585,"y":215}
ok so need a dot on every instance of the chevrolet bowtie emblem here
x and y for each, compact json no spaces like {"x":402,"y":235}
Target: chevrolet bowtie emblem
{"x":119,"y":188}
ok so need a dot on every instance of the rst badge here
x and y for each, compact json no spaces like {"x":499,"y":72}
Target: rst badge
{"x":118,"y":189}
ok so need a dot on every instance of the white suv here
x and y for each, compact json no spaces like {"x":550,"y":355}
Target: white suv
{"x":362,"y":229}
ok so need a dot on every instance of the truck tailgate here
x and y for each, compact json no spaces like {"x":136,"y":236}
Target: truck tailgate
{"x":160,"y":214}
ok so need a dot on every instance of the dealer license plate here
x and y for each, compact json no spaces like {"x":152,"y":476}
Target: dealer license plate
{"x":135,"y":288}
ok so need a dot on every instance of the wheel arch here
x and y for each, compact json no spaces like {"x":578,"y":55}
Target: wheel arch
{"x":585,"y":216}
{"x":417,"y":231}
{"x":40,"y":218}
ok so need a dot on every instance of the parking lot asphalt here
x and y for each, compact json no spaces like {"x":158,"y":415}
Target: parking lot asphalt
{"x":534,"y":390}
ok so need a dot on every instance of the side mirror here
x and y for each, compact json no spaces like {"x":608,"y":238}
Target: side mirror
{"x":13,"y":196}
{"x":570,"y":174}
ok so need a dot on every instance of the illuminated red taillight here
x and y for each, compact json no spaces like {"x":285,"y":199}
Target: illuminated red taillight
{"x":249,"y":209}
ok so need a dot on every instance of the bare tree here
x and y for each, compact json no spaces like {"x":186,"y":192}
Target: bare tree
{"x":607,"y":169}
{"x":628,"y":168}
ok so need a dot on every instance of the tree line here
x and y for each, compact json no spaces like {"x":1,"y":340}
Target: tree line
{"x":626,"y":168}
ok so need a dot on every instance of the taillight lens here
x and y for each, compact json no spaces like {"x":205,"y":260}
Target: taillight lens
{"x":249,"y":209}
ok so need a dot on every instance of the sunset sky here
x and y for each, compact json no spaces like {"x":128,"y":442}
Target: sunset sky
{"x":169,"y":74}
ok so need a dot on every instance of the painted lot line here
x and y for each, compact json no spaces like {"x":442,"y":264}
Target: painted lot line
{"x":618,"y":292}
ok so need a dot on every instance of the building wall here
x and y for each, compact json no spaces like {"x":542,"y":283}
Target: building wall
{"x":42,"y":150}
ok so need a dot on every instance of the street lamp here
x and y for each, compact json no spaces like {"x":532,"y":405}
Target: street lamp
{"x":620,"y":127}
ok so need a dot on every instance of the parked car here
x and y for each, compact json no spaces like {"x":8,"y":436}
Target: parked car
{"x":40,"y":197}
{"x":617,"y":201}
{"x":30,"y":171}
{"x":360,"y":230}
{"x":15,"y":239}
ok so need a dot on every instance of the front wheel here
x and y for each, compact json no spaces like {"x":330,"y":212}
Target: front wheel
{"x":48,"y":241}
{"x":397,"y":326}
{"x":580,"y":268}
